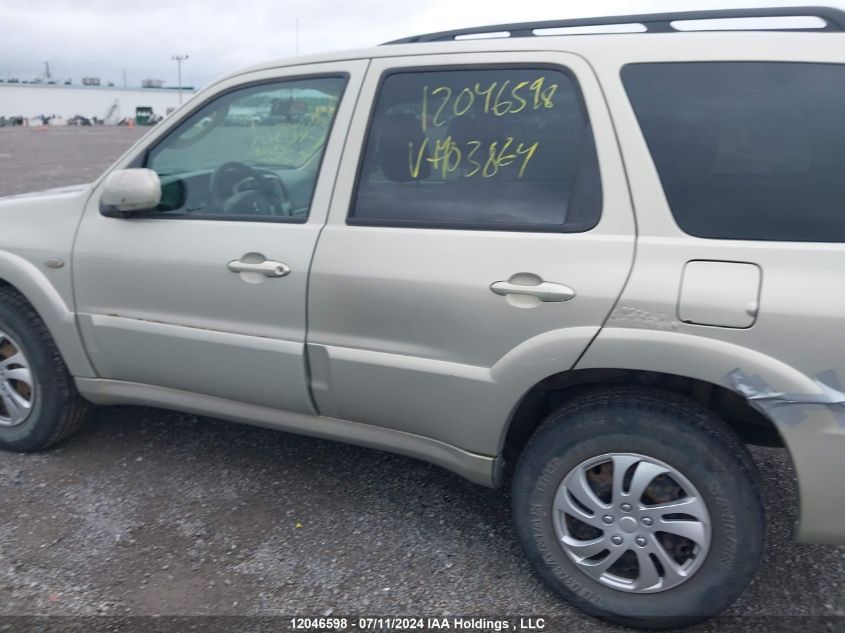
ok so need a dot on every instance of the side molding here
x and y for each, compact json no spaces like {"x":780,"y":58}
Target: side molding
{"x":479,"y":469}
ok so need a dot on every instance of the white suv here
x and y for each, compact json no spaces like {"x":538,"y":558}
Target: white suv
{"x":591,"y":266}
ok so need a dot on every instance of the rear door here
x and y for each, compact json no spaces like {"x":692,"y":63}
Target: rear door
{"x":480,"y":211}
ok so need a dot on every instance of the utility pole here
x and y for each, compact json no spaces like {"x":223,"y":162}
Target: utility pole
{"x":179,"y":59}
{"x":47,"y":70}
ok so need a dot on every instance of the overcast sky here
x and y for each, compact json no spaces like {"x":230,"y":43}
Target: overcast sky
{"x":103,"y":38}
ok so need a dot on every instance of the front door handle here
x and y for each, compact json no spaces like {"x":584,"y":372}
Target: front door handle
{"x":544,"y":291}
{"x":267,"y":268}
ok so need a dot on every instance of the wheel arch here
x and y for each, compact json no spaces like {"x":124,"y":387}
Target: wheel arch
{"x":696,"y":366}
{"x":752,"y":426}
{"x":23,"y":277}
{"x":702,"y":368}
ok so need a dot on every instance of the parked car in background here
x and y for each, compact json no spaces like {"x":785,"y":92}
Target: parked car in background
{"x":11,"y":121}
{"x":593,"y":268}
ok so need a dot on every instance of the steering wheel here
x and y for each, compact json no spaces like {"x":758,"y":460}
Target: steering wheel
{"x":240,"y":189}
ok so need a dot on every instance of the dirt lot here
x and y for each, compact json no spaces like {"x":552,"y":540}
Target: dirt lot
{"x":32,"y":159}
{"x":149,"y":512}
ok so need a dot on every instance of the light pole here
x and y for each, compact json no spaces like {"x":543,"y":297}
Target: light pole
{"x":179,"y":59}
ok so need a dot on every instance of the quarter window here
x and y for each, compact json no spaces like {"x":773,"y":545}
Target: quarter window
{"x":253,"y":153}
{"x":486,"y":148}
{"x":747,"y":150}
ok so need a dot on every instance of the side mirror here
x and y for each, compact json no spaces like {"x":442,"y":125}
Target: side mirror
{"x":130,"y":191}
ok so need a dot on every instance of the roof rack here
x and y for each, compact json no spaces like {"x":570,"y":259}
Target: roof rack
{"x":653,"y":23}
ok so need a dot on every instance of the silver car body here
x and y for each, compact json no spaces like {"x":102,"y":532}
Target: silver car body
{"x":391,"y":337}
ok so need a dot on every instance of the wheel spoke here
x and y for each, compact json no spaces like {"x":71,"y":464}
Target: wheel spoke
{"x":644,"y":474}
{"x":585,"y":549}
{"x":597,"y":568}
{"x":16,"y":406}
{"x":672,"y":573}
{"x":15,"y":359}
{"x":22,"y":402}
{"x":621,"y":464}
{"x":692,"y":530}
{"x":693,"y":506}
{"x":579,"y":487}
{"x":648,"y":577}
{"x":563,"y":503}
{"x":21,"y":374}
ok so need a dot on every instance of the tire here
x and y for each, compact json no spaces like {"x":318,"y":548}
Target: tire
{"x":55,"y":408}
{"x":641,"y":432}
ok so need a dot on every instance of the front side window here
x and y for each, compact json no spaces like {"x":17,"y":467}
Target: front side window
{"x":479,"y":148}
{"x":253,"y":153}
{"x":746,"y":150}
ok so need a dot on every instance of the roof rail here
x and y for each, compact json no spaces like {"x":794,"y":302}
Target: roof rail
{"x":653,"y":22}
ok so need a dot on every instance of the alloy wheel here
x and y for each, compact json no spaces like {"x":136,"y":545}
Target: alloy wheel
{"x":632,"y":522}
{"x":17,"y":385}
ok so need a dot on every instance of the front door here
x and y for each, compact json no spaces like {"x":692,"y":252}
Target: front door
{"x":207,"y":293}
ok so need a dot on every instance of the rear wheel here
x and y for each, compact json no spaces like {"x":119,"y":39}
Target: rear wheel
{"x":640,"y":507}
{"x":39,"y":404}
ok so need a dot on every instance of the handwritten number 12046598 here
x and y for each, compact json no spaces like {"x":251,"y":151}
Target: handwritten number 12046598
{"x":471,"y":157}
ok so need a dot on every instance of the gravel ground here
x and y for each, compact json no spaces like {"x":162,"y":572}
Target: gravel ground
{"x":32,"y":159}
{"x":155,"y":513}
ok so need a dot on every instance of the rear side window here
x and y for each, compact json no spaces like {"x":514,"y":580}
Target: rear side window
{"x":747,"y":150}
{"x":482,"y":148}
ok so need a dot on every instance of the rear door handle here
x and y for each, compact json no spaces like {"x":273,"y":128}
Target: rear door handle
{"x":267,"y":268}
{"x":545,"y":291}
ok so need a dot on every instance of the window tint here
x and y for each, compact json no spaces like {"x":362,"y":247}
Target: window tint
{"x":747,"y":150}
{"x":253,"y":153}
{"x":506,"y":149}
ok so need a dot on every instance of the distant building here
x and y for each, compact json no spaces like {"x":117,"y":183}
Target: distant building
{"x":103,"y":102}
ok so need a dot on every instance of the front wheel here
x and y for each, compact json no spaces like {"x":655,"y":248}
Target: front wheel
{"x":39,"y":404}
{"x":639,"y":507}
